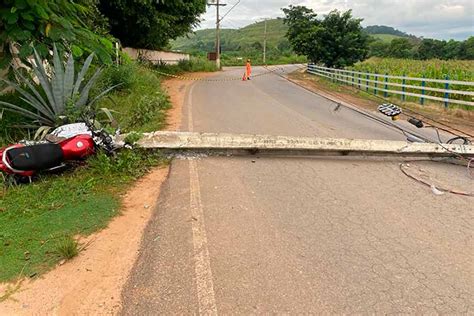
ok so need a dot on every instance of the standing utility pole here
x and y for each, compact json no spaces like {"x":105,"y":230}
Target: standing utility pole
{"x":218,"y":37}
{"x":265,"y":44}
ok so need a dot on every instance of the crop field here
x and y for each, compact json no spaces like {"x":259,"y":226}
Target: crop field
{"x":462,"y":70}
{"x":458,"y":70}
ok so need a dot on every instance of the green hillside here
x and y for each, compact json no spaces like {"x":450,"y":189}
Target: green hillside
{"x":247,"y":42}
{"x":251,"y":37}
{"x":387,"y":38}
{"x":244,"y":39}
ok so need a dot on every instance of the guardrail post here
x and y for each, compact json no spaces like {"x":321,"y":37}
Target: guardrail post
{"x":385,"y":93}
{"x":376,"y":78}
{"x":367,"y":83}
{"x":358,"y":81}
{"x":423,"y":85}
{"x":352,"y":78}
{"x":446,"y":94}
{"x":403,"y":89}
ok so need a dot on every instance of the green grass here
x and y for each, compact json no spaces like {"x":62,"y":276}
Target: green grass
{"x":67,"y":247}
{"x":461,"y":70}
{"x":35,"y":219}
{"x":387,"y":38}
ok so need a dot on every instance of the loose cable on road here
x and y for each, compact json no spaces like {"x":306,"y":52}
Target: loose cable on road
{"x":404,"y":166}
{"x":404,"y":132}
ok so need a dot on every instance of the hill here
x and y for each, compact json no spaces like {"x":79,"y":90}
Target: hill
{"x":248,"y":37}
{"x":383,"y":29}
{"x":251,"y":37}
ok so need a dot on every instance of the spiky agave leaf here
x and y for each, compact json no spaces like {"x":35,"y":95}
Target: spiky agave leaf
{"x":60,"y":88}
{"x":31,"y":100}
{"x":57,"y":82}
{"x":43,"y":78}
{"x":84,"y":92}
{"x":69,"y":78}
{"x":42,"y":132}
{"x":82,"y":73}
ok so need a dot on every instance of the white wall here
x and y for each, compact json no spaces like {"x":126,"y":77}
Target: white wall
{"x":155,"y":56}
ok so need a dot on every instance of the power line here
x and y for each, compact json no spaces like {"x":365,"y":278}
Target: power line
{"x":222,"y":18}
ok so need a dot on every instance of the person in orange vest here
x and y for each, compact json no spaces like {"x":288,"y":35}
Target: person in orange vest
{"x":248,"y":69}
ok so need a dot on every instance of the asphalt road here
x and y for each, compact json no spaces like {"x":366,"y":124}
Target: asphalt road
{"x":256,"y":235}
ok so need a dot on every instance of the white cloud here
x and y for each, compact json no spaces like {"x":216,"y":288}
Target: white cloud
{"x":443,"y":19}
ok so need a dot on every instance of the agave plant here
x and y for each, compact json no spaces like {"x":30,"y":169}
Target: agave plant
{"x":58,"y":92}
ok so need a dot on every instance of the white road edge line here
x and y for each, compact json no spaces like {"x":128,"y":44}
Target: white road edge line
{"x":202,"y":263}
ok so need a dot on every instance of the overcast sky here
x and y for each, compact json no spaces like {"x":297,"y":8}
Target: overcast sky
{"x":442,"y":19}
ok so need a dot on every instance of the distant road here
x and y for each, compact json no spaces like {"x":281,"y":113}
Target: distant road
{"x":250,"y":235}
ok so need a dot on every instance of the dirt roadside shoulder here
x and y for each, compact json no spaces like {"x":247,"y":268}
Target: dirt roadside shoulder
{"x":92,"y":282}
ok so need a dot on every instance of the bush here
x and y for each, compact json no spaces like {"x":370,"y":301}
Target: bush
{"x":122,"y":75}
{"x":195,"y":64}
{"x":146,"y":109}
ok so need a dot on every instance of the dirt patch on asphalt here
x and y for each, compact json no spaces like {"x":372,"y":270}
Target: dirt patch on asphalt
{"x":457,"y":118}
{"x":91,"y":283}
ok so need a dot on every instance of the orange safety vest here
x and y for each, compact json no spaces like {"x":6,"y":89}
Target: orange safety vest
{"x":249,"y":69}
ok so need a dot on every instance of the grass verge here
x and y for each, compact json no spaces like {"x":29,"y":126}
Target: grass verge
{"x":38,"y":221}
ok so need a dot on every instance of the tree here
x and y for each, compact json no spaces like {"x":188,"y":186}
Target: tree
{"x":151,"y":23}
{"x":431,"y":48}
{"x":336,"y":41}
{"x":466,"y":49}
{"x":379,"y":48}
{"x":452,"y":49}
{"x":401,"y":48}
{"x":25,"y":24}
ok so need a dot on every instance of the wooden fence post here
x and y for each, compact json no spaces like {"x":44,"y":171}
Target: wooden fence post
{"x":367,"y":83}
{"x":403,"y":89}
{"x":385,"y":93}
{"x":358,"y":82}
{"x":376,"y":78}
{"x":423,"y":84}
{"x":446,"y":94}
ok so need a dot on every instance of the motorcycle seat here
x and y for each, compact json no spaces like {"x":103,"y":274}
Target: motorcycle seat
{"x":35,"y":157}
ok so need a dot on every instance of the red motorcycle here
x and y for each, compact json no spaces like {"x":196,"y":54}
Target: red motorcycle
{"x":66,"y":143}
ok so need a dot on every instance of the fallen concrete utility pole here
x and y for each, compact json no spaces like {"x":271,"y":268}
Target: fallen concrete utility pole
{"x":228,"y":144}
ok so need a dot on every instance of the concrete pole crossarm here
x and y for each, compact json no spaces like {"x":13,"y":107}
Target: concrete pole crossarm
{"x":294,"y":145}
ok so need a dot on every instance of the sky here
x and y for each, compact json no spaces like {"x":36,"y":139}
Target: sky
{"x":441,"y":19}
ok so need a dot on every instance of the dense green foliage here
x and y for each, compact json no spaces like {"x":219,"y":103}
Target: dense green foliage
{"x":383,"y":29}
{"x":195,"y":64}
{"x":459,"y":70}
{"x":61,"y":97}
{"x":25,"y":24}
{"x":337,"y":40}
{"x":462,"y":70}
{"x":35,"y":218}
{"x":239,"y":44}
{"x":410,"y":47}
{"x":150,"y":23}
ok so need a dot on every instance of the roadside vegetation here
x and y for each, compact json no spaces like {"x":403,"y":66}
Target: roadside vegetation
{"x":337,"y":40}
{"x":462,"y":70}
{"x":58,"y":65}
{"x":38,"y":220}
{"x":195,"y":64}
